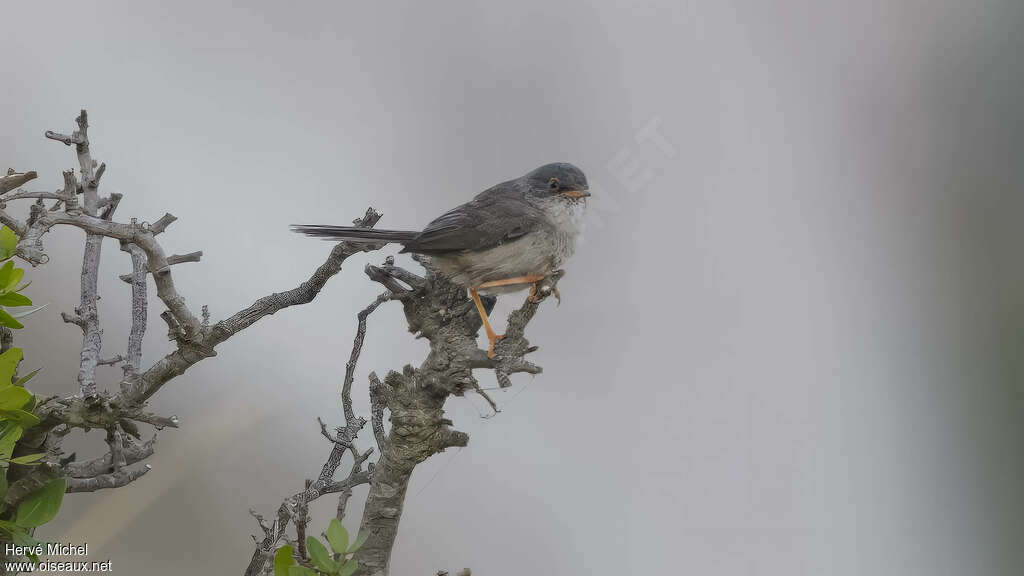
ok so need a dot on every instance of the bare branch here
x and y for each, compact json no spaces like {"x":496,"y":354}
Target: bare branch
{"x":303,"y":294}
{"x":73,"y":319}
{"x":189,"y":353}
{"x":21,"y":194}
{"x":13,"y":223}
{"x":133,"y":452}
{"x":116,"y":443}
{"x":357,"y":347}
{"x":160,"y":225}
{"x":110,"y":361}
{"x":154,"y":420}
{"x":171,"y":261}
{"x":108,"y":204}
{"x":103,"y":481}
{"x":139,"y":309}
{"x":67,"y":140}
{"x":89,"y":313}
{"x":13,"y":179}
{"x":379,"y":400}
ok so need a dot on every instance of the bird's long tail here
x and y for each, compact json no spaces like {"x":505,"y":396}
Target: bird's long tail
{"x":350,"y":233}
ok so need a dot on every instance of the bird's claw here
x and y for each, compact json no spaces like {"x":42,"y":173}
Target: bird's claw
{"x":538,"y":294}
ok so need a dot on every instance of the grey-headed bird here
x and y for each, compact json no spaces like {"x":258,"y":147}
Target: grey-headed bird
{"x":508,"y":237}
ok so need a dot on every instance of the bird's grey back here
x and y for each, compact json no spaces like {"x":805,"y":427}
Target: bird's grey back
{"x":495,"y":216}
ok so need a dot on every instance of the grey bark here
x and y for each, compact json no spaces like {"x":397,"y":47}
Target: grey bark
{"x":415,"y":397}
{"x":441,"y":312}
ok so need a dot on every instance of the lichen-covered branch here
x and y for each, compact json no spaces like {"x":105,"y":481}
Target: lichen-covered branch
{"x":294,"y":508}
{"x":120,"y":409}
{"x":133,"y":359}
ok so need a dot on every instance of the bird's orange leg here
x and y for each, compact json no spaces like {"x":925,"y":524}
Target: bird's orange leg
{"x":491,"y":336}
{"x":533,"y":279}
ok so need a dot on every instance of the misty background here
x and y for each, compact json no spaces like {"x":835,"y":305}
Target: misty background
{"x":790,"y":343}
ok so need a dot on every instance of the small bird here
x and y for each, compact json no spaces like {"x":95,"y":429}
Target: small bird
{"x":508,"y":237}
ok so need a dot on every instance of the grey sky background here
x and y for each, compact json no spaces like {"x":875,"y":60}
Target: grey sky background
{"x":790,"y":344}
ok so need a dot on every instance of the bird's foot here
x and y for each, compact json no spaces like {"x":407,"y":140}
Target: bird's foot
{"x":490,"y":351}
{"x":537,"y":294}
{"x":534,"y":296}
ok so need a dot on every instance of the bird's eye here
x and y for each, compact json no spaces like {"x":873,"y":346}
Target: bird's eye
{"x":553,"y":184}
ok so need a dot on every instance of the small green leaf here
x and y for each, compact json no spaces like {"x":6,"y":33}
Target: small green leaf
{"x":348,"y":568}
{"x":7,"y":320}
{"x":13,"y":397}
{"x":8,"y":364}
{"x":14,"y":299}
{"x":319,"y":555}
{"x":24,"y":379}
{"x":6,"y":272}
{"x":41,"y":506}
{"x":337,"y":536}
{"x":24,"y":419}
{"x":8,"y":242}
{"x":11,"y":433}
{"x":282,"y":560}
{"x":10,"y":276}
{"x":21,"y":538}
{"x":301,"y":571}
{"x":16,"y":277}
{"x":360,"y":540}
{"x":28,"y":458}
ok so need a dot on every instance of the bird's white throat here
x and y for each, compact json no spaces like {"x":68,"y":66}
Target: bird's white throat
{"x":567,"y":217}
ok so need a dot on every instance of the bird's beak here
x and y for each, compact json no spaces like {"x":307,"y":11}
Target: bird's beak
{"x":576,"y":194}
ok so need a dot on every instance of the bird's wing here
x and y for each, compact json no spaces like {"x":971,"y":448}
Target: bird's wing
{"x":495,"y":216}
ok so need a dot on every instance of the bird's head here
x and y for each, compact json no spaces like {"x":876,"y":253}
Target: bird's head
{"x":559,"y":180}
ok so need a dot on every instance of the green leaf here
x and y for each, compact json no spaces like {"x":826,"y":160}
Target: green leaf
{"x":16,"y":277}
{"x":337,"y":536}
{"x":348,"y":568}
{"x":8,"y":364}
{"x":41,"y":506}
{"x":13,"y":397}
{"x":24,"y":419}
{"x":6,"y":272}
{"x":21,"y":538}
{"x":282,"y":560}
{"x":28,"y":458}
{"x":10,"y":276}
{"x":301,"y":571}
{"x":319,"y":555}
{"x":8,"y":242}
{"x":14,"y":299}
{"x":7,"y":320}
{"x":24,"y":379}
{"x":360,"y":540}
{"x":11,"y":434}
